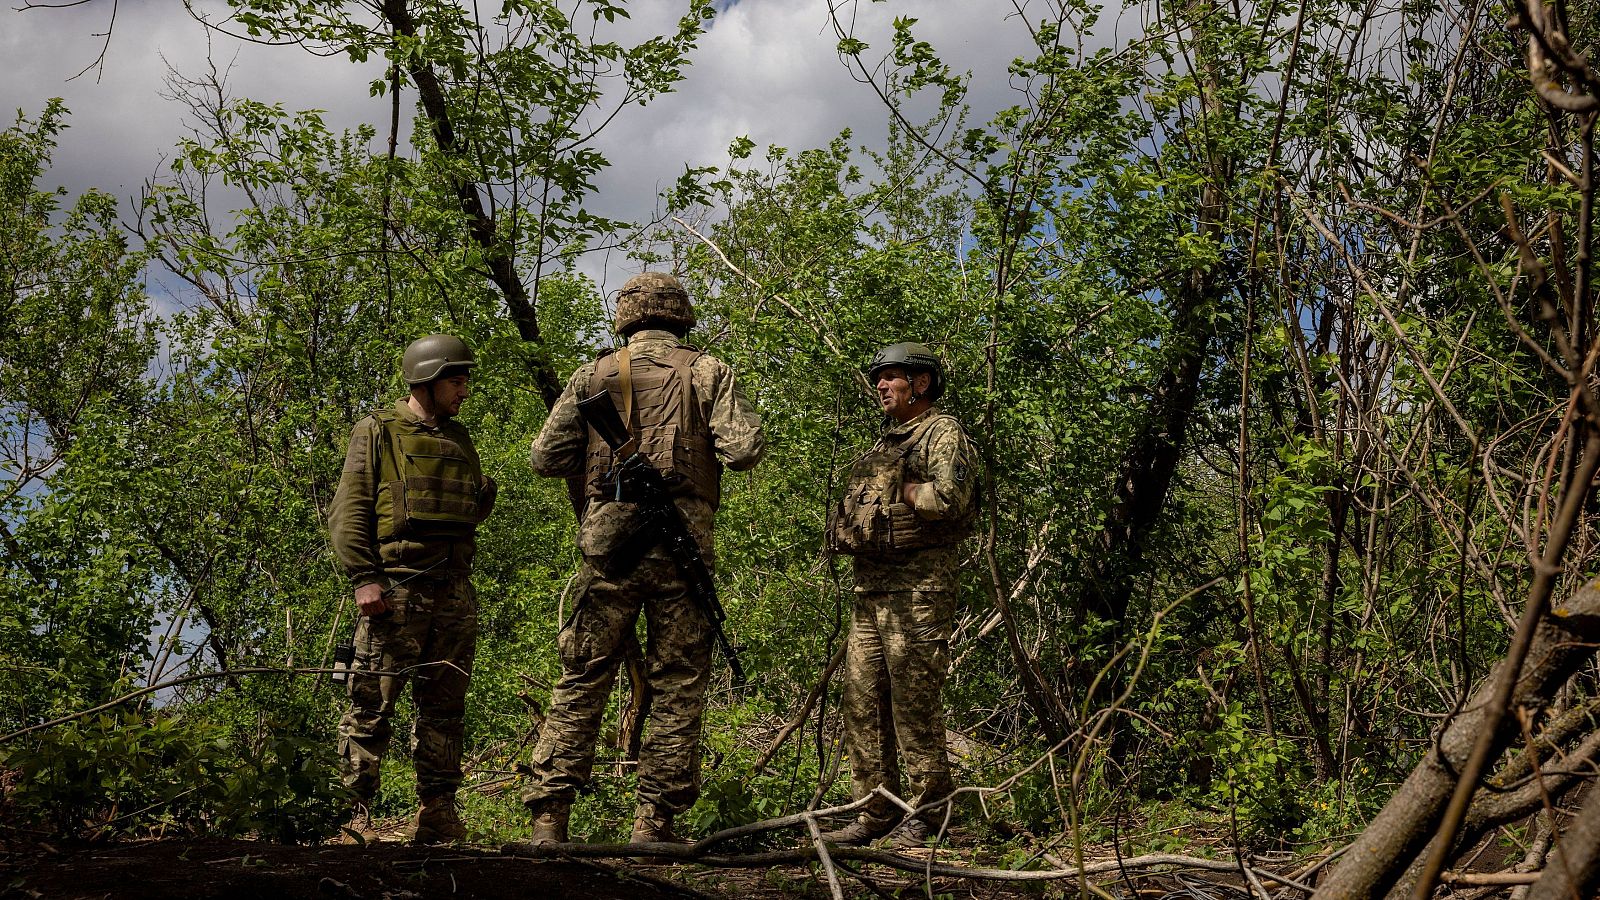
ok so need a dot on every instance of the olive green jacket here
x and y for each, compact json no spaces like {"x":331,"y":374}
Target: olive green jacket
{"x":353,"y":515}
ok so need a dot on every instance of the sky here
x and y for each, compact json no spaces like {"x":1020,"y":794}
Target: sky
{"x":766,"y":69}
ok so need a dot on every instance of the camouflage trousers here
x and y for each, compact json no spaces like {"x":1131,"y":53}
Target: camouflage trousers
{"x":895,"y":663}
{"x":678,"y":665}
{"x":431,"y":624}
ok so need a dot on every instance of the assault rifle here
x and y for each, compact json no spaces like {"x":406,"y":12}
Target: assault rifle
{"x":660,"y":522}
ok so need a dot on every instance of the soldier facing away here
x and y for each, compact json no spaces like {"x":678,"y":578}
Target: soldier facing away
{"x":908,"y":506}
{"x":690,"y":420}
{"x":402,"y":523}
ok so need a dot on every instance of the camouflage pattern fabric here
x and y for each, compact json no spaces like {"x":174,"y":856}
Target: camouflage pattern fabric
{"x":944,"y":462}
{"x":678,"y":651}
{"x":895,"y":665}
{"x":431,"y":623}
{"x":678,"y":660}
{"x":559,"y":450}
{"x":653,"y":297}
{"x":898,"y":649}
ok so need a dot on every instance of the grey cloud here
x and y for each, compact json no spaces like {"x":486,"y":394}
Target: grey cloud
{"x":766,"y":68}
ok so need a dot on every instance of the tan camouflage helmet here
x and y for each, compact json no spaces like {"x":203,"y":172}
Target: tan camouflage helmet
{"x":431,"y":357}
{"x":653,"y":299}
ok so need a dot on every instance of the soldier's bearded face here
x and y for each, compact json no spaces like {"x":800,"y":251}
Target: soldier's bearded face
{"x":895,"y":391}
{"x":449,"y":394}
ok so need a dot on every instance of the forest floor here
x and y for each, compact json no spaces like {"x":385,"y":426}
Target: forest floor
{"x":247,"y":870}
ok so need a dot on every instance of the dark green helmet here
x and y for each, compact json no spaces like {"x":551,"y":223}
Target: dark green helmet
{"x":912,"y":357}
{"x":432,"y":357}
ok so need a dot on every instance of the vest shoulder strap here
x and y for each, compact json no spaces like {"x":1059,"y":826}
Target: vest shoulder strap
{"x":601,"y":368}
{"x":914,"y":437}
{"x":387,"y":419}
{"x":682,"y":359}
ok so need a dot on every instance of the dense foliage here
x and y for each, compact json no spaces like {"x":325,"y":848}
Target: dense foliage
{"x":1271,"y":418}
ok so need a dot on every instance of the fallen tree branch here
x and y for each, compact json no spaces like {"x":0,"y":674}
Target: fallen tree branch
{"x":690,"y":853}
{"x":201,"y":676}
{"x":822,"y":854}
{"x":1484,"y":879}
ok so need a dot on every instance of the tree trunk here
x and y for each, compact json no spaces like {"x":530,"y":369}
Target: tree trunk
{"x":480,"y":225}
{"x":1562,"y":643}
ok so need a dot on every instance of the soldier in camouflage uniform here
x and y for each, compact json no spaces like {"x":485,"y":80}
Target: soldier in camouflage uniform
{"x":907,"y":507}
{"x":691,"y":420}
{"x":402,"y":524}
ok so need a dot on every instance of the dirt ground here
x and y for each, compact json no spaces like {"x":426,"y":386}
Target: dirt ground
{"x":251,"y":870}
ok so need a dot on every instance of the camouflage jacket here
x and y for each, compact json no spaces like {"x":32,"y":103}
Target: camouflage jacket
{"x":943,"y":462}
{"x":736,"y":437}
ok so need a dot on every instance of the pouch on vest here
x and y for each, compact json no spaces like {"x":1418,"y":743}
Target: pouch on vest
{"x":873,"y":517}
{"x":860,"y":522}
{"x":434,"y":486}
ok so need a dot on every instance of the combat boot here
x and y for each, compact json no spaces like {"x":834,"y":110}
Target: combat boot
{"x":550,"y":822}
{"x":913,"y":834}
{"x":359,"y":830}
{"x":438,"y":822}
{"x":653,"y":825}
{"x":864,"y":829}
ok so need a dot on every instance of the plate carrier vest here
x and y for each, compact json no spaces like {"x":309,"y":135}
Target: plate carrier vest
{"x":873,"y":516}
{"x":656,"y":400}
{"x":428,"y":486}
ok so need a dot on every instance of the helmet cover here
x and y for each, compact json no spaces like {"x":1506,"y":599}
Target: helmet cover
{"x":653,"y":298}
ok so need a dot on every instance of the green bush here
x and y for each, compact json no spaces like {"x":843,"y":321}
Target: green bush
{"x":124,"y":775}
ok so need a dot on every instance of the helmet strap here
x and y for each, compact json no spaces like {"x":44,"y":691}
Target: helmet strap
{"x":422,"y":400}
{"x":916,"y":395}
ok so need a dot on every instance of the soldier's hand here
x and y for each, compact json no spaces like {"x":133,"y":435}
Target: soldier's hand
{"x":909,"y":489}
{"x":369,"y":599}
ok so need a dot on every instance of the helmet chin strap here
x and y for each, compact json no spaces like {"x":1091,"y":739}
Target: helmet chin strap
{"x":429,"y":401}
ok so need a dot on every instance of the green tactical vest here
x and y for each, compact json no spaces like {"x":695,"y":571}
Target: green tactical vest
{"x":428,"y":485}
{"x":873,"y":517}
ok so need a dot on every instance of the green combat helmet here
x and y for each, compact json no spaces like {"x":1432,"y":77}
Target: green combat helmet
{"x":653,"y":299}
{"x":913,"y":357}
{"x":428,"y":358}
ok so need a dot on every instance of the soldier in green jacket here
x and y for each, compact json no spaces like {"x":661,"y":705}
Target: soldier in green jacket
{"x":402,"y":524}
{"x":908,"y":505}
{"x":691,"y":420}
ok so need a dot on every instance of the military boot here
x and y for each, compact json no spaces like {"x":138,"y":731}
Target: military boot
{"x":864,"y":829}
{"x":359,"y":830}
{"x":653,"y":825}
{"x":438,"y":822}
{"x":550,"y":822}
{"x":913,"y":834}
